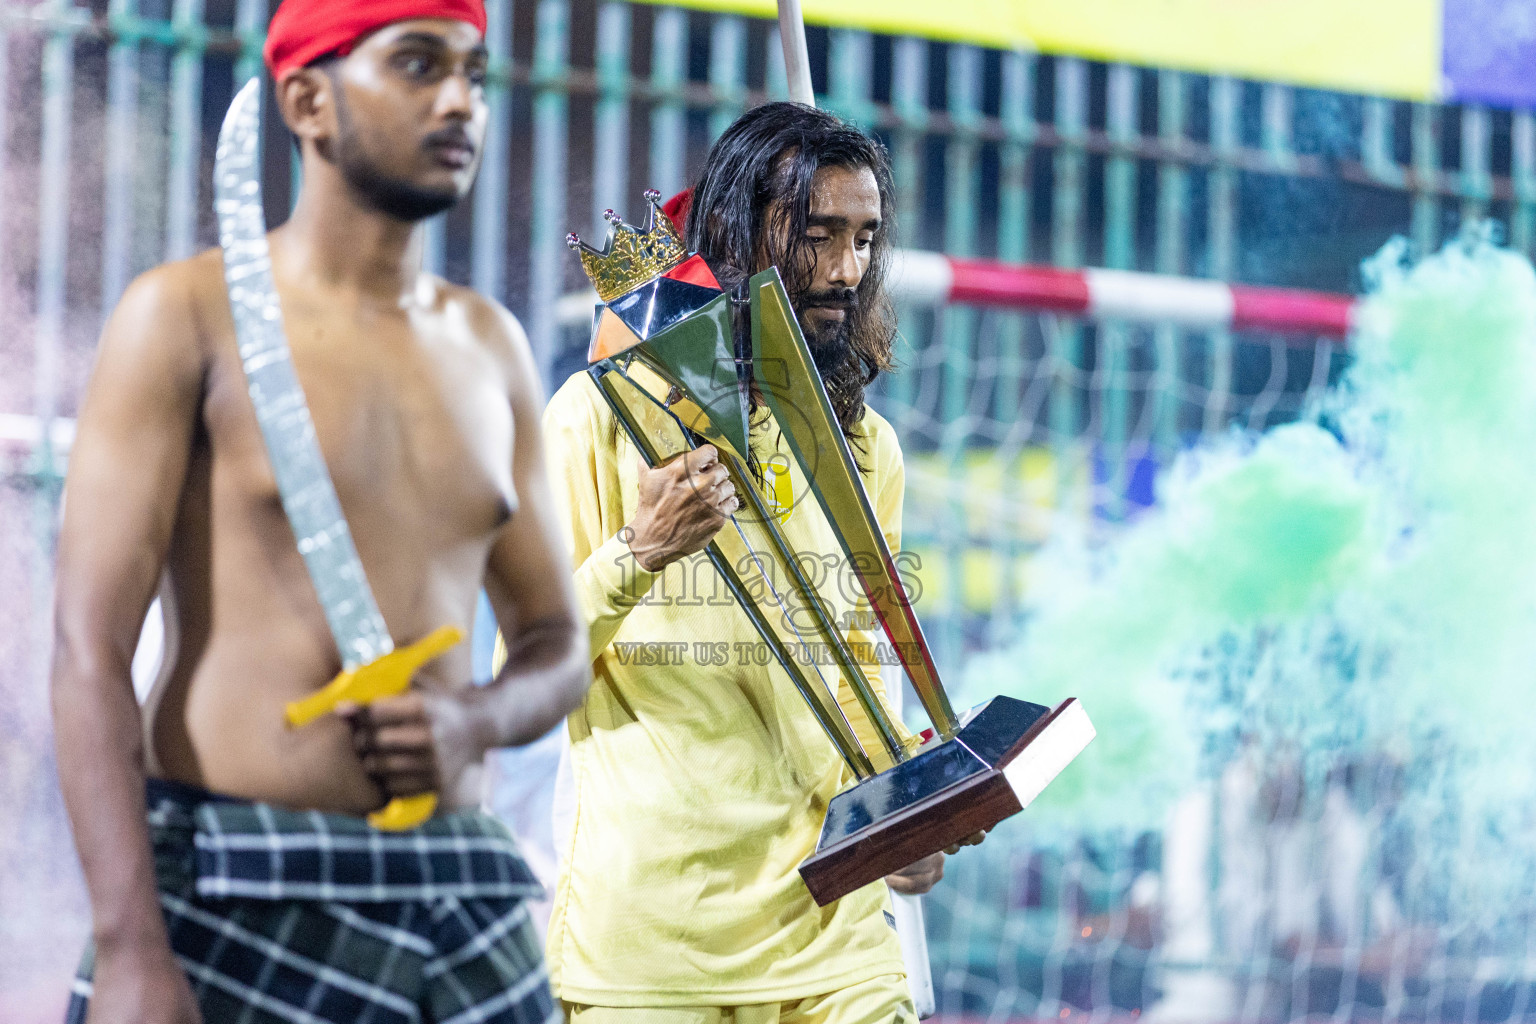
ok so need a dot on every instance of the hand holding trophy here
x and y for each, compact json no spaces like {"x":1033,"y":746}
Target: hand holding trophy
{"x":684,"y":365}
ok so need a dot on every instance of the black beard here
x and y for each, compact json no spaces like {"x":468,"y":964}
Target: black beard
{"x":378,"y":191}
{"x":829,"y":344}
{"x":830,"y":341}
{"x":391,"y":196}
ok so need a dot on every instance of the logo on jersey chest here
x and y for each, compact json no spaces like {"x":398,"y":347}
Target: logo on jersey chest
{"x":778,"y":488}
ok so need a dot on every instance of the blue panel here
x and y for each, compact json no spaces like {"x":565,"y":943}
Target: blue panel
{"x":1490,"y":51}
{"x":482,"y":641}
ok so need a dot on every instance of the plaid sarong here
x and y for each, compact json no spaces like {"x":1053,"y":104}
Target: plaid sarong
{"x":298,"y":916}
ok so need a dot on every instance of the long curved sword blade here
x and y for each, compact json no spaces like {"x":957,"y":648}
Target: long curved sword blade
{"x":309,"y":496}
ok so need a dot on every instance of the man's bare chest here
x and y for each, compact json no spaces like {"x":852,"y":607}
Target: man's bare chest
{"x":416,"y":430}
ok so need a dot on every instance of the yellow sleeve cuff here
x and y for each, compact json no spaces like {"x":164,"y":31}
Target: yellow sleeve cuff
{"x":608,"y":584}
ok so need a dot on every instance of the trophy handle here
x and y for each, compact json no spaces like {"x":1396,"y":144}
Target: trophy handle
{"x":692,"y":418}
{"x":795,"y":397}
{"x":828,"y":714}
{"x":850,"y":667}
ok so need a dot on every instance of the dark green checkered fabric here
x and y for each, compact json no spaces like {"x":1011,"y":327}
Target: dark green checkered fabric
{"x":448,"y":954}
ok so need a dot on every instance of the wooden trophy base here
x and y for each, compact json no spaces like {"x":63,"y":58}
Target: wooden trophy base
{"x":1006,"y":752}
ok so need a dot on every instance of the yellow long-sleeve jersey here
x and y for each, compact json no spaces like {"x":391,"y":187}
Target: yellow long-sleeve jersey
{"x":701,"y":777}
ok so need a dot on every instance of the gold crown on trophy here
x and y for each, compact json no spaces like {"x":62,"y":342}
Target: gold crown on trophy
{"x":632,"y":256}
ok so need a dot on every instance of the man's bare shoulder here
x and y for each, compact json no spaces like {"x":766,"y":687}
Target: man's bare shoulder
{"x":491,"y":324}
{"x":203,"y":275}
{"x":166,"y":310}
{"x":167,"y":289}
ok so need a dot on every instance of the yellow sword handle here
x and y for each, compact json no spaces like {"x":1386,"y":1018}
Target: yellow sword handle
{"x":382,"y":677}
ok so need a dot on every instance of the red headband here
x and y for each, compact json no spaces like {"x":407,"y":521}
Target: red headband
{"x":303,"y":31}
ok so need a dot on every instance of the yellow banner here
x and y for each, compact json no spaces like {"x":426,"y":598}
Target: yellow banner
{"x":996,"y":23}
{"x":1381,"y":47}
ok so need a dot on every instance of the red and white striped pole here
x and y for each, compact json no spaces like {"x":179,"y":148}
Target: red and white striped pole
{"x":934,"y":279}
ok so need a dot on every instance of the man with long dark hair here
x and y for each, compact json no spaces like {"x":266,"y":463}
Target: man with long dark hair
{"x":778,"y":191}
{"x":700,"y":777}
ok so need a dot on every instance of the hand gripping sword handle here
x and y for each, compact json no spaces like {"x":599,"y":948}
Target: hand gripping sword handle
{"x":382,"y":677}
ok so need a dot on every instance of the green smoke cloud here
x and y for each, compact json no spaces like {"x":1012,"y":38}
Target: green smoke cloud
{"x":1357,"y":585}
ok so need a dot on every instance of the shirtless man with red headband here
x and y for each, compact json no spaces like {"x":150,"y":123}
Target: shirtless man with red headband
{"x":254,"y":890}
